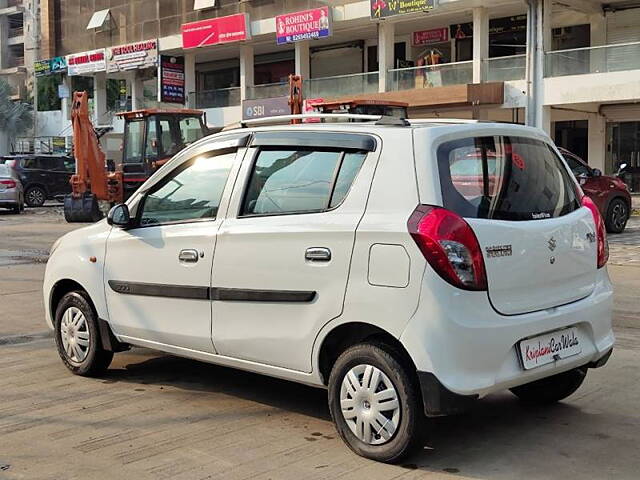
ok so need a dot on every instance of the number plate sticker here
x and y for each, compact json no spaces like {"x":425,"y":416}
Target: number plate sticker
{"x":547,"y":348}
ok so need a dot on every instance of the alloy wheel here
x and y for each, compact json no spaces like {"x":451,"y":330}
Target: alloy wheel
{"x":370,"y":405}
{"x":619,"y":216}
{"x":75,"y":335}
{"x":35,"y":196}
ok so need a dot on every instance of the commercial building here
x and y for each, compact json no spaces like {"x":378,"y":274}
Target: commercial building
{"x":571,"y":67}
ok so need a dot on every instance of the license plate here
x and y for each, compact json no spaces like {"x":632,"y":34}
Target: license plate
{"x":547,"y":348}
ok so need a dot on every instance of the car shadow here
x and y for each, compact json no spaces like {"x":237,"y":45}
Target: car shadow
{"x":500,"y":438}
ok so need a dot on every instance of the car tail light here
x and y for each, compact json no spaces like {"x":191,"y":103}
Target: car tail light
{"x":601,"y":231}
{"x":8,"y":183}
{"x":450,"y":246}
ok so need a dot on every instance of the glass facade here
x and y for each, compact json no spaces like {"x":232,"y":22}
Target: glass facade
{"x":623,"y":140}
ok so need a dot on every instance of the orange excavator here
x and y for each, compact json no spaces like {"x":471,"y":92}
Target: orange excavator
{"x":151,"y":137}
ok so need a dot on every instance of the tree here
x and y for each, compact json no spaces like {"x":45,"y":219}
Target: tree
{"x":16,"y":116}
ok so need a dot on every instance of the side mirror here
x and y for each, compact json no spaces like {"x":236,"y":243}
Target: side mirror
{"x":596,"y":172}
{"x":119,"y":216}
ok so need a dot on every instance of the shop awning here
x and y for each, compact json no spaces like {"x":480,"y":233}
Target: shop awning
{"x":98,"y":19}
{"x":200,"y":4}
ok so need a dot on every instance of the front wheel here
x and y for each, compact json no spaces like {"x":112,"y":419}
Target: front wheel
{"x":617,"y":216}
{"x":551,"y":389}
{"x":375,"y":403}
{"x":77,"y":336}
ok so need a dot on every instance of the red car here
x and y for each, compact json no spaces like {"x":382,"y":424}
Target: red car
{"x":609,"y":193}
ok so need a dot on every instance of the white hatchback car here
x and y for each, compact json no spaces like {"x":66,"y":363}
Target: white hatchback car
{"x":409,"y":267}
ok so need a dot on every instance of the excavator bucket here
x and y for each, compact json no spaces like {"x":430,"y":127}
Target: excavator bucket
{"x":82,"y":209}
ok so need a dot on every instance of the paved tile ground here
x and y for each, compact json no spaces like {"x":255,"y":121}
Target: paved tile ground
{"x":624,"y":248}
{"x":155,"y":416}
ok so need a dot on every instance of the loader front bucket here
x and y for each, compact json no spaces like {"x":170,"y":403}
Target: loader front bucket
{"x":82,"y":209}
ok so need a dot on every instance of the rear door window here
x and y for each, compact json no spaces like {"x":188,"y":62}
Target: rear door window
{"x":505,"y":178}
{"x":294,"y":180}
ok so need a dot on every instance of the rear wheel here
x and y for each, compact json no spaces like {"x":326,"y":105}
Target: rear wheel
{"x":77,"y":336}
{"x":617,"y":216}
{"x":375,"y":403}
{"x":35,"y":196}
{"x":551,"y":389}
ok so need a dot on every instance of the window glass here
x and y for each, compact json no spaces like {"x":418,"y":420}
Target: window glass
{"x":291,"y":180}
{"x":133,"y":142}
{"x":153,"y":142}
{"x":169,"y":144}
{"x":4,"y":171}
{"x":192,"y":193}
{"x":348,"y":171}
{"x":69,"y":164}
{"x":506,"y":178}
{"x":576,"y":167}
{"x":190,"y":129}
{"x":31,"y":163}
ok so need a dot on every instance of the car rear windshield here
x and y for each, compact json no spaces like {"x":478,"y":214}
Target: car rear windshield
{"x":504,"y":178}
{"x":4,"y":171}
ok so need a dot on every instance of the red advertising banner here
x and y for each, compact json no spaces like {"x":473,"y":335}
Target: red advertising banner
{"x":428,"y":37}
{"x":234,"y":28}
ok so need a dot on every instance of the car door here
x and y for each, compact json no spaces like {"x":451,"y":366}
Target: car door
{"x":284,"y":251}
{"x":158,"y":272}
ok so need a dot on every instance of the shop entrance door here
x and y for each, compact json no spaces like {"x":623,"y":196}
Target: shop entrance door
{"x":623,"y":146}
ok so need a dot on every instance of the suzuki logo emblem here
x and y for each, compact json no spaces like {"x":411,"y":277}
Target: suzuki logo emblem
{"x":552,"y":244}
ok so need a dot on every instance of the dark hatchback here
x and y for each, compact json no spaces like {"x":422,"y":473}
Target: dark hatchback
{"x":44,"y":177}
{"x":609,"y":193}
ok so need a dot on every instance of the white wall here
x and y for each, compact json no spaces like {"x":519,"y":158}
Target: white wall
{"x":594,"y":87}
{"x":51,"y":124}
{"x":219,"y":117}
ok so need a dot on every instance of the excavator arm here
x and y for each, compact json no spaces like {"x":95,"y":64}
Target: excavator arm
{"x":92,"y":182}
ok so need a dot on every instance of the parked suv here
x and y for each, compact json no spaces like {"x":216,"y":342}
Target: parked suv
{"x":610,"y":194}
{"x":44,"y":177}
{"x":409,"y":268}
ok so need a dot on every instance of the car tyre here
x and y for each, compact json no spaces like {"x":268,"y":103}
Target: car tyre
{"x":35,"y":196}
{"x":16,"y":209}
{"x":368,"y":407}
{"x":551,"y":389}
{"x":617,"y":216}
{"x":77,"y":336}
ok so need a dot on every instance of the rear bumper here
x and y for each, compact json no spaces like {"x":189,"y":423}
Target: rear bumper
{"x":472,"y":350}
{"x":439,"y":401}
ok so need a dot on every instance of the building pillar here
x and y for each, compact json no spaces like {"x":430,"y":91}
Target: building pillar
{"x":597,"y":143}
{"x":246,"y":70}
{"x":100,"y":99}
{"x":137,"y":91}
{"x":303,"y":64}
{"x":545,"y":119}
{"x":480,"y":43}
{"x":66,"y":102}
{"x":386,"y":41}
{"x":190,"y":80}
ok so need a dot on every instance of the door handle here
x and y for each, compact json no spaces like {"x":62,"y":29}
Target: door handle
{"x":188,"y":256}
{"x":318,"y":254}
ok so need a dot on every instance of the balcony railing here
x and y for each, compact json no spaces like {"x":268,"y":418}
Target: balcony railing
{"x":223,"y":97}
{"x":443,"y":75}
{"x":599,"y":59}
{"x":503,"y":69}
{"x":268,"y":90}
{"x":341,"y":85}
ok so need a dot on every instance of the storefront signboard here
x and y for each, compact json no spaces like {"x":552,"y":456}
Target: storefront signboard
{"x":87,"y":63}
{"x":305,"y":25}
{"x":132,"y":56}
{"x":215,"y":31}
{"x":513,"y":24}
{"x":429,"y":37}
{"x":389,"y":8}
{"x":50,"y":66}
{"x":265,"y":107}
{"x":172,"y":80}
